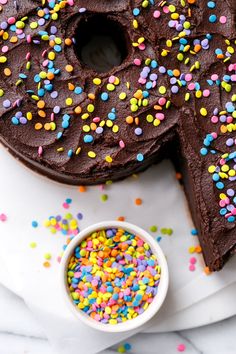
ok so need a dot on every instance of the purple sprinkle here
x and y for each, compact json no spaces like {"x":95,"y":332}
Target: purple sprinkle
{"x":56,"y":109}
{"x":99,"y":130}
{"x":54,"y":94}
{"x":138,"y":131}
{"x":6,"y":104}
{"x":23,"y":120}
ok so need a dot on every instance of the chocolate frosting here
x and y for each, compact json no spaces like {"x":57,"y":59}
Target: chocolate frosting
{"x":174,"y":87}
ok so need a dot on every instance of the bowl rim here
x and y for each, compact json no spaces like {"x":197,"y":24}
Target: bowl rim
{"x":158,"y":300}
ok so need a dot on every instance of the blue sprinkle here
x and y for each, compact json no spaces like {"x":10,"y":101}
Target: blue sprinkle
{"x":212,"y":18}
{"x":231,"y":219}
{"x":15,"y":121}
{"x":211,"y":4}
{"x":127,"y":346}
{"x":88,"y":139}
{"x":136,"y":12}
{"x":70,"y":153}
{"x":104,"y":96}
{"x":57,"y":48}
{"x":220,"y":185}
{"x":78,"y":90}
{"x":34,"y":224}
{"x":140,"y":157}
{"x":203,"y":151}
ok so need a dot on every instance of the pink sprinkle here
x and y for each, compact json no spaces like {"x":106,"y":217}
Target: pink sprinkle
{"x":233,"y":78}
{"x":142,"y":81}
{"x":166,"y":9}
{"x":156,"y":14}
{"x":214,"y":77}
{"x":5,"y":49}
{"x":188,"y":77}
{"x":162,"y":101}
{"x":137,"y":62}
{"x":229,"y":119}
{"x":192,"y":267}
{"x":160,"y":116}
{"x":223,"y":19}
{"x":66,"y":205}
{"x":11,"y":20}
{"x":40,"y":151}
{"x":191,"y":86}
{"x":122,"y":144}
{"x":3,"y":217}
{"x":214,"y":119}
{"x":28,"y":56}
{"x":222,"y":203}
{"x":193,"y":260}
{"x":112,"y":79}
{"x":142,"y":46}
{"x":181,"y":347}
{"x":233,"y":211}
{"x":214,"y":135}
{"x":206,"y":93}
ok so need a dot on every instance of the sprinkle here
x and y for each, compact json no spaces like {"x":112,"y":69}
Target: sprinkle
{"x":153,"y":228}
{"x":82,"y":189}
{"x":104,"y":197}
{"x":181,"y":347}
{"x":33,"y":245}
{"x":34,"y":224}
{"x":138,"y":201}
{"x":3,"y":217}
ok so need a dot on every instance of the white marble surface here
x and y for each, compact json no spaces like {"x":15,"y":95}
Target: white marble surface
{"x":20,"y":334}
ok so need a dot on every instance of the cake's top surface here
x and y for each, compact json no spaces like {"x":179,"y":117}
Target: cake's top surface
{"x":175,"y":78}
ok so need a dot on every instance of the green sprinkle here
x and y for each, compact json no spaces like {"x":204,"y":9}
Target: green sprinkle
{"x":47,"y":256}
{"x":104,"y":197}
{"x":153,"y":228}
{"x":33,"y":245}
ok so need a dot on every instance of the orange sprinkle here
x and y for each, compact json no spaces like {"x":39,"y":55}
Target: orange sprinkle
{"x":38,"y":126}
{"x":50,"y":76}
{"x":178,"y":176}
{"x":129,"y":120}
{"x":41,"y":104}
{"x":42,"y":114}
{"x":91,"y":96}
{"x":47,"y":264}
{"x":207,"y":271}
{"x":138,"y":201}
{"x":198,"y":249}
{"x":69,"y":68}
{"x":68,"y":41}
{"x":7,"y":72}
{"x":78,"y":110}
{"x":120,"y":218}
{"x":71,"y":86}
{"x":82,"y":189}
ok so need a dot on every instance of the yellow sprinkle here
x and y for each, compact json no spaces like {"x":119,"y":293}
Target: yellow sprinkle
{"x":92,"y":154}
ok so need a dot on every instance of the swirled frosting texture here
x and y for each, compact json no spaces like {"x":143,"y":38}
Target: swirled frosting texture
{"x":175,"y":87}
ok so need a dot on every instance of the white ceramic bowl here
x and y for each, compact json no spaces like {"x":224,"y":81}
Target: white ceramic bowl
{"x":158,"y":299}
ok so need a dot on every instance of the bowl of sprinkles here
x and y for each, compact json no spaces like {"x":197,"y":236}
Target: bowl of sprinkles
{"x":115,"y":276}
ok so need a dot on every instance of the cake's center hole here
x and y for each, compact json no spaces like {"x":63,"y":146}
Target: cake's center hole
{"x":101,"y":43}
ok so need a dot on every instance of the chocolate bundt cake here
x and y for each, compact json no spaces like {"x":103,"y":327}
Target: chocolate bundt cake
{"x":171,"y":92}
